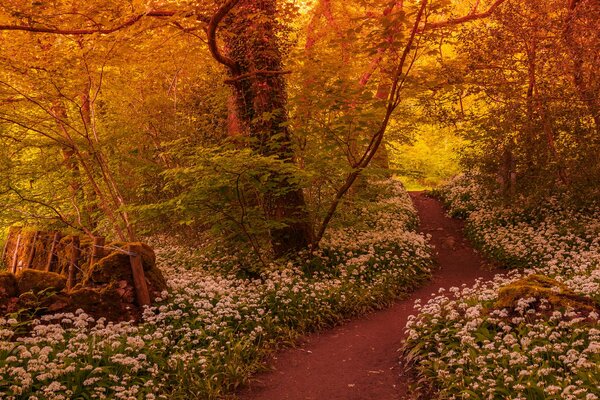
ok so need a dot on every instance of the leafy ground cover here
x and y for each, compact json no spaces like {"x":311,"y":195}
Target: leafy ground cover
{"x":532,"y":333}
{"x":212,"y":329}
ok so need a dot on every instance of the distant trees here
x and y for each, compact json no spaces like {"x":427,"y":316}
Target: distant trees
{"x":530,"y":75}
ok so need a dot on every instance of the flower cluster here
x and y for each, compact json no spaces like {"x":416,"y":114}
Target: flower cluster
{"x":464,"y":345}
{"x":212,"y":329}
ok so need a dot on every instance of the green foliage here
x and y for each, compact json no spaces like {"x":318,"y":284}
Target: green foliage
{"x":520,"y":91}
{"x":223,"y":189}
{"x":429,"y":159}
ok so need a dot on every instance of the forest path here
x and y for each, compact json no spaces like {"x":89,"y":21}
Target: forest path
{"x":358,"y":360}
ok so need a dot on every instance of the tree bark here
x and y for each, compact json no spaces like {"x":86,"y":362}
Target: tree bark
{"x":255,"y":63}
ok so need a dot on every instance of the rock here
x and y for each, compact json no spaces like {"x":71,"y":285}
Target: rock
{"x":104,"y":289}
{"x":156,"y":282}
{"x":125,"y":291}
{"x":102,"y":302}
{"x":540,"y":287}
{"x":116,"y":268}
{"x":8,"y":285}
{"x":39,"y":305}
{"x":28,"y":300}
{"x":112,"y":268}
{"x":148,"y":256}
{"x":63,"y":255}
{"x":58,"y":303}
{"x":105,"y":301}
{"x":9,"y":305}
{"x":37,"y":281}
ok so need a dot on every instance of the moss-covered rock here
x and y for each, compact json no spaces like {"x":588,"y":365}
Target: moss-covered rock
{"x":64,"y":252}
{"x":116,"y":268}
{"x":29,"y":300}
{"x":104,"y":289}
{"x":8,"y":285}
{"x":156,"y":282}
{"x":37,"y":281}
{"x":112,"y":268}
{"x":148,"y":256}
{"x":556,"y":294}
{"x":91,"y":299}
{"x":39,"y":304}
{"x":100,"y":302}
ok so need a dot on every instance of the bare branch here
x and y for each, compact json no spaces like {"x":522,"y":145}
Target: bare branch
{"x":33,"y":129}
{"x":377,"y":138}
{"x":212,"y":34}
{"x":471,"y":16}
{"x":90,"y":31}
{"x":11,"y":100}
{"x":59,"y":215}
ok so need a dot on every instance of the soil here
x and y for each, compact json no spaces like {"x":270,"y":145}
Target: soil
{"x":359,"y":360}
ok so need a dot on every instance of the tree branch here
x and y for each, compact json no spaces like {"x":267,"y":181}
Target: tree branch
{"x":212,"y":34}
{"x":60,"y":215}
{"x":377,"y":138}
{"x":471,"y":16}
{"x":90,"y":31}
{"x":11,"y":100}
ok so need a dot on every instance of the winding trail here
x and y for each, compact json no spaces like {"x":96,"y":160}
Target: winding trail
{"x":358,"y":360}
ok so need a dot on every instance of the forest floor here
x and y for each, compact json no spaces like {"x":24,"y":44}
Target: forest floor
{"x":358,"y":360}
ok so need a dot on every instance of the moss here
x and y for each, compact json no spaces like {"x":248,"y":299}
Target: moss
{"x":105,"y":301}
{"x":148,"y":256}
{"x":540,"y":287}
{"x":37,"y":281}
{"x":117,"y":266}
{"x":114,"y":267}
{"x":91,"y":298}
{"x":104,"y":289}
{"x":28,"y":300}
{"x":39,"y":252}
{"x":39,"y":304}
{"x":64,"y":255}
{"x":8,"y":285}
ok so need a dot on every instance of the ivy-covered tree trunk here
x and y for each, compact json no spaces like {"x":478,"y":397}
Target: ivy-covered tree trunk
{"x":258,"y":81}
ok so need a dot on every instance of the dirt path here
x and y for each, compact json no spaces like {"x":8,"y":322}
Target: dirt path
{"x":358,"y":360}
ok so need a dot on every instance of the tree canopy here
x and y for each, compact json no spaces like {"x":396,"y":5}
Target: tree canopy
{"x":260,"y":119}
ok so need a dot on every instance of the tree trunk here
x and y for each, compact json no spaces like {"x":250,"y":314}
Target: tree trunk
{"x":577,"y":52}
{"x":537,"y":113}
{"x":260,"y":96}
{"x":507,"y":172}
{"x":91,"y":206}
